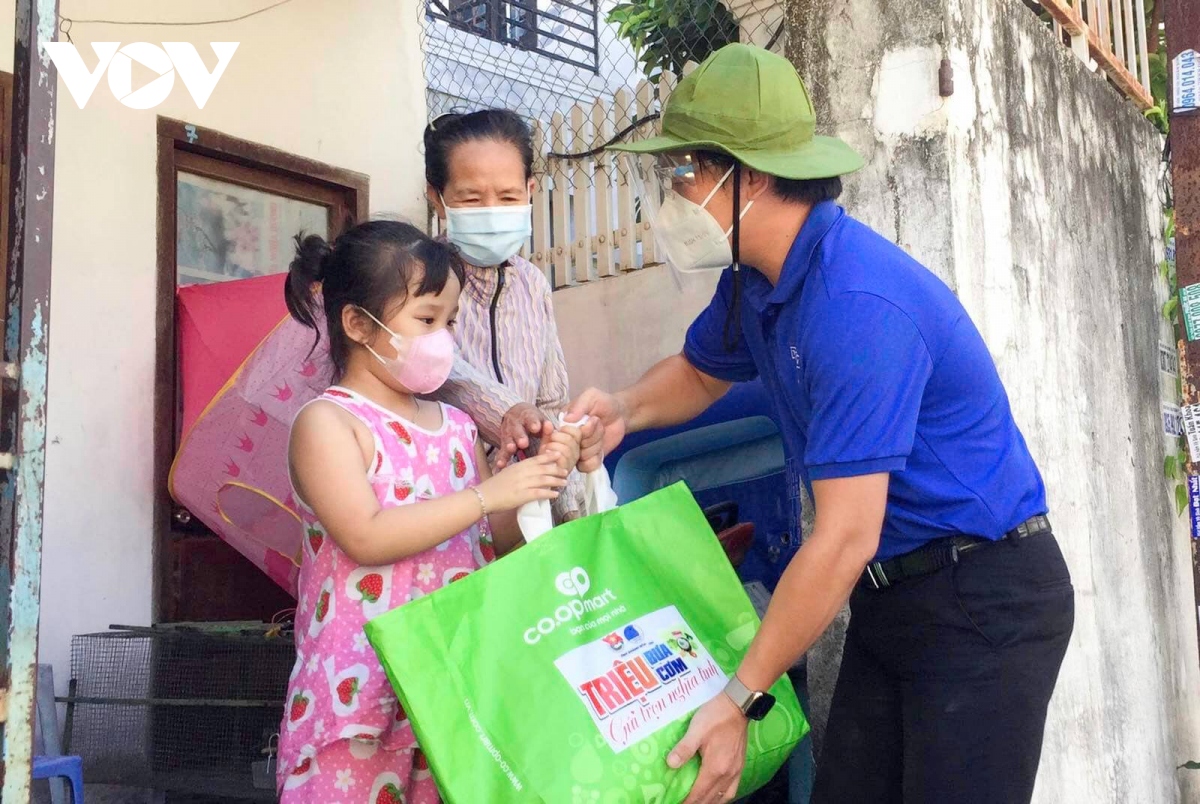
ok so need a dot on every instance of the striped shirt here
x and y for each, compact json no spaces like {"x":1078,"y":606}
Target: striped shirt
{"x":508,"y":353}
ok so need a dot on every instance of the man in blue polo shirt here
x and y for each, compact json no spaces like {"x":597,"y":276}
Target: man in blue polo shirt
{"x":930,"y":511}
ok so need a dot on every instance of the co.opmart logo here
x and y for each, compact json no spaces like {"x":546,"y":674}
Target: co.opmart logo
{"x":574,"y":583}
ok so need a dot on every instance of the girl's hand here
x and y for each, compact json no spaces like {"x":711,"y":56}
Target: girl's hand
{"x":537,"y":478}
{"x":605,"y":428}
{"x":564,"y":445}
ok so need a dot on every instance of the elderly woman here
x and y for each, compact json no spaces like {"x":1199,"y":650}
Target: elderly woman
{"x":510,"y":376}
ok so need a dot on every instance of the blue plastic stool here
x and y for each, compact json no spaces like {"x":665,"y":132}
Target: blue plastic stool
{"x":67,"y":767}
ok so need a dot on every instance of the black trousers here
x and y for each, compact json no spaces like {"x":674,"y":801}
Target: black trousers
{"x":945,"y":681}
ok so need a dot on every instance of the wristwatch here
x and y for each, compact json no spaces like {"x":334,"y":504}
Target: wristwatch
{"x":754,"y":705}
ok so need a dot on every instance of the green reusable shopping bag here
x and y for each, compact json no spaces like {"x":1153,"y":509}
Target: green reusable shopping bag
{"x":566,"y":671}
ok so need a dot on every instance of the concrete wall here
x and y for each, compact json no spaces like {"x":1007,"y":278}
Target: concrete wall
{"x":1032,"y":191}
{"x":340,"y":83}
{"x":615,"y":329}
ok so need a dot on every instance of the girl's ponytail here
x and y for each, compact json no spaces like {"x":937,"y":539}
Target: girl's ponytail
{"x":305,"y":274}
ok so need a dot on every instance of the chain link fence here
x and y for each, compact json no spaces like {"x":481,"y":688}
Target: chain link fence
{"x":541,"y":57}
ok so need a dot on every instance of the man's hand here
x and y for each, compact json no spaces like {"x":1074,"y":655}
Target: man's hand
{"x":604,"y":430}
{"x":718,"y":733}
{"x":522,"y":423}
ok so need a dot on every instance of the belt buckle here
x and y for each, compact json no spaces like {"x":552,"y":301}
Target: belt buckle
{"x":1032,"y":526}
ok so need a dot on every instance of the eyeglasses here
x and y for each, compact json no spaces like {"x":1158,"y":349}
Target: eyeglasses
{"x":673,"y":169}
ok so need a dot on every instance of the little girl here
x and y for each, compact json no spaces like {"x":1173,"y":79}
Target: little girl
{"x":396,"y":498}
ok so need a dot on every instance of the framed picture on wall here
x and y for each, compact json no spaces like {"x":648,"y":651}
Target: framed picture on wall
{"x":229,"y":231}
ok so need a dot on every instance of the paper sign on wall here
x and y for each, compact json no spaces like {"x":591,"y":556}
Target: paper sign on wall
{"x":1168,"y":360}
{"x":1185,"y":73}
{"x":1193,"y":487}
{"x":1172,"y":419}
{"x":1191,"y":428}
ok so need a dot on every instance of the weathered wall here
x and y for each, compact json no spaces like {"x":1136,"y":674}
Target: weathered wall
{"x":1032,"y":191}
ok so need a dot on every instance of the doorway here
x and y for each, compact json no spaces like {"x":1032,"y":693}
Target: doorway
{"x":227,"y":209}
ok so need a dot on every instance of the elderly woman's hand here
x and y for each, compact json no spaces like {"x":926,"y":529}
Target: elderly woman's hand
{"x":521,"y":425}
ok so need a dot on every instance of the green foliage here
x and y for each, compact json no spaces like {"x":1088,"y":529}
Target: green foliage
{"x":1174,"y":469}
{"x":1157,"y":114}
{"x":1189,"y":766}
{"x":1175,"y":464}
{"x":667,"y":34}
{"x":1170,"y":309}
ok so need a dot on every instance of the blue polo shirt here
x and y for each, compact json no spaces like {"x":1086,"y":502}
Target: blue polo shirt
{"x":874,"y":366}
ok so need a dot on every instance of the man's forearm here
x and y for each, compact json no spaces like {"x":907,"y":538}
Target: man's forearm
{"x":812,"y":590}
{"x":671,"y":392}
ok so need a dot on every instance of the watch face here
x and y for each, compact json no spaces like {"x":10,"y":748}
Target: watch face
{"x":759,"y":709}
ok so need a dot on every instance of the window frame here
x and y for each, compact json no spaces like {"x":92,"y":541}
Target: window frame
{"x":501,"y":17}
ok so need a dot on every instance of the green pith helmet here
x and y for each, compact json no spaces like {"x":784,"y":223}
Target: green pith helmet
{"x":750,"y":104}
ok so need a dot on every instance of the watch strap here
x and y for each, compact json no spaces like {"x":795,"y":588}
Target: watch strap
{"x":741,"y":695}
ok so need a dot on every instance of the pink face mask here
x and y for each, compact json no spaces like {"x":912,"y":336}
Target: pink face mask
{"x":422,"y":363}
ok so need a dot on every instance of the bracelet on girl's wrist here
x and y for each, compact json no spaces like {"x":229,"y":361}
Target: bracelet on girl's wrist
{"x":479,"y":496}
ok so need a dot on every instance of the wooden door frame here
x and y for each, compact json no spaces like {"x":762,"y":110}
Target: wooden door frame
{"x":200,"y":150}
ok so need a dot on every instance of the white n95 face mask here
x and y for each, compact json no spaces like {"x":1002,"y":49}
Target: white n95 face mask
{"x":686,"y":234}
{"x":489,"y":236}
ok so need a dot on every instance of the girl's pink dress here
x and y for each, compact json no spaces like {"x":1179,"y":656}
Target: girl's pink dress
{"x":344,"y":737}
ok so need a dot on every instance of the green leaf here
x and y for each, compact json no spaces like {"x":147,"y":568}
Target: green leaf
{"x":678,"y":31}
{"x":1189,"y":766}
{"x":1170,"y":467}
{"x":1181,"y":498}
{"x":1170,"y":308}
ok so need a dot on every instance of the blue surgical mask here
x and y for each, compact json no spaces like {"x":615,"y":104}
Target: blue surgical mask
{"x":488,"y":236}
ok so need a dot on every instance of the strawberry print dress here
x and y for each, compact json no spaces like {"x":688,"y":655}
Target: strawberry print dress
{"x":344,"y":736}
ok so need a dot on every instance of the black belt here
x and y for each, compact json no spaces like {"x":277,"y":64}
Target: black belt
{"x":939,"y":554}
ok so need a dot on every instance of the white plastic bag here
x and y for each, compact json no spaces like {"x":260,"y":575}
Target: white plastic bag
{"x":535,"y":518}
